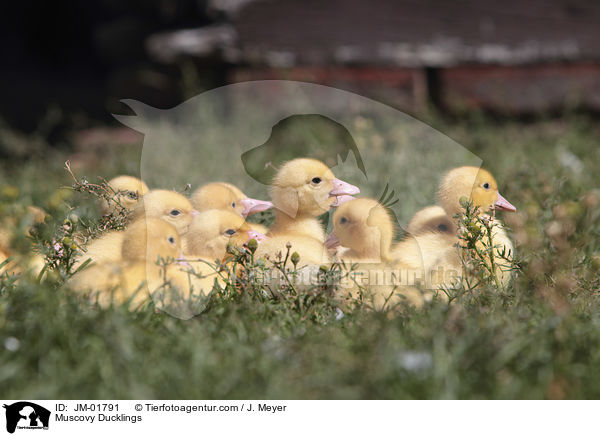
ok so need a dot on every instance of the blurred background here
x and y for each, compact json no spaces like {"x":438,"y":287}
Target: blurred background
{"x":68,"y":63}
{"x":515,"y":83}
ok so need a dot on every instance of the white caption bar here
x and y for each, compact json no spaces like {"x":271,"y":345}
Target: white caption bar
{"x":297,"y":417}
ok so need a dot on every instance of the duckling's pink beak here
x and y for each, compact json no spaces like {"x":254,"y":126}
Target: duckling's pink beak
{"x":195,"y":212}
{"x":339,"y":199}
{"x":181,"y":260}
{"x":332,"y":241}
{"x":252,"y":206}
{"x":503,"y":204}
{"x":343,"y":188}
{"x":252,"y":234}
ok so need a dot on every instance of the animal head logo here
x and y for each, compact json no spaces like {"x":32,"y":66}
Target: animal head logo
{"x":26,"y":415}
{"x":308,"y":136}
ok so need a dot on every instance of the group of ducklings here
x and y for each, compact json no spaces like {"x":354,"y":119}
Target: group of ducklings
{"x":428,"y":255}
{"x":197,"y":230}
{"x":194,"y":231}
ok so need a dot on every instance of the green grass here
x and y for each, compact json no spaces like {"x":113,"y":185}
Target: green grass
{"x":538,"y":339}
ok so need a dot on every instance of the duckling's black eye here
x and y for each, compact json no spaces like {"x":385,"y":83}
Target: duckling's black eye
{"x":486,"y":185}
{"x":316,"y":180}
{"x":233,"y":204}
{"x":230,"y":232}
{"x":174,"y":212}
{"x":132,"y":195}
{"x":343,"y":220}
{"x":171,"y":239}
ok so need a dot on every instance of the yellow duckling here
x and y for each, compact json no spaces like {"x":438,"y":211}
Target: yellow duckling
{"x":169,"y":206}
{"x":178,"y":288}
{"x":211,"y":231}
{"x":225,"y":196}
{"x":477,"y":184}
{"x":140,"y":277}
{"x":482,"y":189}
{"x":436,"y":250}
{"x":143,"y":242}
{"x":128,"y":191}
{"x":302,"y":190}
{"x":366,"y":229}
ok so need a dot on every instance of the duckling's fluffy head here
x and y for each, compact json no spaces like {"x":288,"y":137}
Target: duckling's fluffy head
{"x":129,"y":190}
{"x":211,"y":231}
{"x":218,"y":195}
{"x":225,"y":196}
{"x":169,"y":206}
{"x":149,"y":238}
{"x":365,"y":226}
{"x":305,"y":187}
{"x":476,"y":184}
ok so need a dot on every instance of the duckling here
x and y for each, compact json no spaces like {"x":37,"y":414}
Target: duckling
{"x":107,"y":276}
{"x":482,"y":189}
{"x":169,"y":206}
{"x":366,"y":229}
{"x":176,"y":288}
{"x":138,"y":274}
{"x":476,"y":184}
{"x":211,"y":231}
{"x":437,"y":250}
{"x":128,"y":191}
{"x":302,"y":190}
{"x":225,"y":196}
{"x":144,"y":242}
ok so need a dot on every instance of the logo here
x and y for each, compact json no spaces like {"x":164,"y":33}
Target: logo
{"x":26,"y":415}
